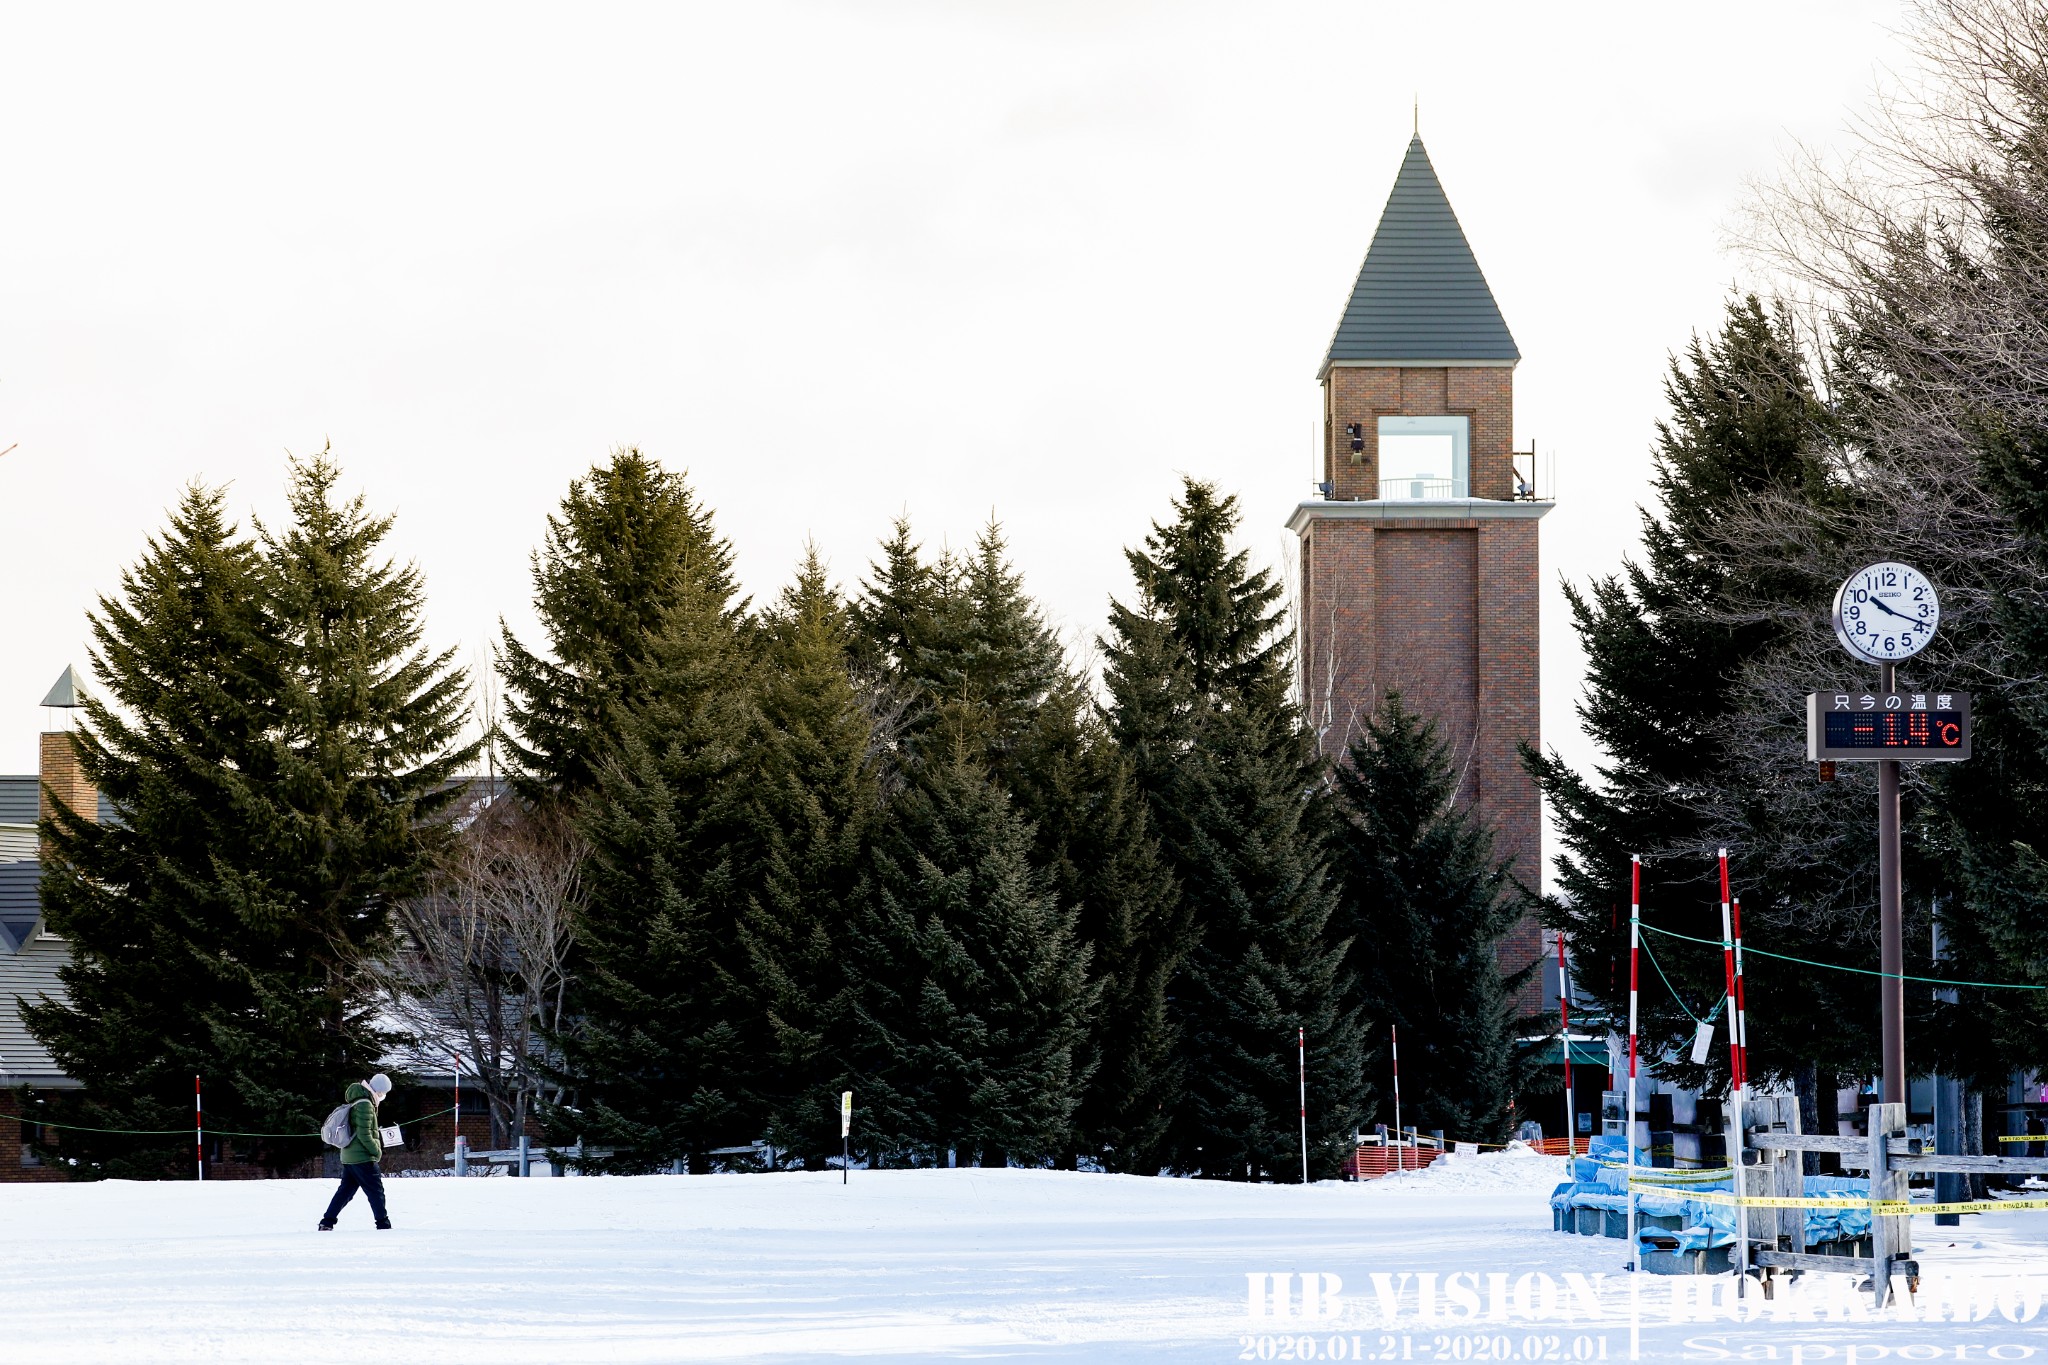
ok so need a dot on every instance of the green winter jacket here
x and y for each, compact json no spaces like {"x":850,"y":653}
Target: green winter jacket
{"x":368,"y":1143}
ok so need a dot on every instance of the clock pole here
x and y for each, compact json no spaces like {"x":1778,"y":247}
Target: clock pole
{"x":1892,"y":948}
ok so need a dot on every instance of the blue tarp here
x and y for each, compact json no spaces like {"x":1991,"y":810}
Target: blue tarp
{"x":1703,"y":1224}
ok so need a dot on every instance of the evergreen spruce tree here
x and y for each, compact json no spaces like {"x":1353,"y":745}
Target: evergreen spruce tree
{"x":984,"y":673}
{"x":276,"y":748}
{"x":661,"y":1064}
{"x":1199,"y":701}
{"x":822,"y":802}
{"x":1096,"y":845}
{"x":1426,"y":905}
{"x":971,"y":993}
{"x":185,"y":653}
{"x":1665,"y":658}
{"x":629,"y":541}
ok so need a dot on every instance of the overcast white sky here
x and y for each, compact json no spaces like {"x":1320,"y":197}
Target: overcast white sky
{"x":1034,"y":258}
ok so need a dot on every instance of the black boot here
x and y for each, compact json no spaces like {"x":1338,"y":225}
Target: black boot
{"x":326,"y":1226}
{"x":384,"y":1224}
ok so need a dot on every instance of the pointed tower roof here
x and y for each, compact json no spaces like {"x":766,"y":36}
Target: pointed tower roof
{"x":66,"y":691}
{"x":1420,"y":295}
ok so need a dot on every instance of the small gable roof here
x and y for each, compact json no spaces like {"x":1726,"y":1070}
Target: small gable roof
{"x":1420,"y":294}
{"x":20,"y":905}
{"x":65,"y":691}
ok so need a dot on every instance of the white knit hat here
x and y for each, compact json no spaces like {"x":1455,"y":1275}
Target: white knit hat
{"x":380,"y":1085}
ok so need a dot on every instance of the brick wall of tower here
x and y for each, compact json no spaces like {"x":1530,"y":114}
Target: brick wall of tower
{"x":1428,"y":636}
{"x":1509,"y":696}
{"x":1364,"y":394}
{"x":1339,"y":607}
{"x":1445,"y":610}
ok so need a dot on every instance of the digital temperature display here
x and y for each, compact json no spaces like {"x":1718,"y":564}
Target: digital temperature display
{"x":1913,"y":727}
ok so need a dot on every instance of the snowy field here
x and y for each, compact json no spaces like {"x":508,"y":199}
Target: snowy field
{"x":899,"y":1265}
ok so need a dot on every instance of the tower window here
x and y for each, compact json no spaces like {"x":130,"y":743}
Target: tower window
{"x":1424,"y":457}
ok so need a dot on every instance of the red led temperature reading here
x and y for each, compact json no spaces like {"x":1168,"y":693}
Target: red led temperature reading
{"x":1894,"y":730}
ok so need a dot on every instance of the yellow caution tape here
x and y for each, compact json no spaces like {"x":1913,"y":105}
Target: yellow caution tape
{"x":2041,"y":1138}
{"x":1670,"y":1177}
{"x":1980,"y":1206}
{"x":1755,"y":1201}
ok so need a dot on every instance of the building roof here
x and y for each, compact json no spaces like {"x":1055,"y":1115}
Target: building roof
{"x":19,"y":796}
{"x":28,"y":971}
{"x":1420,"y":295}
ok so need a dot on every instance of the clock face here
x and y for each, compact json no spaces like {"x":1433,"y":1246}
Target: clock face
{"x":1886,"y":612}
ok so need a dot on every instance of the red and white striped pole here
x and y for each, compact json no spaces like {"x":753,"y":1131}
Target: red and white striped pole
{"x":1635,"y":939}
{"x":1395,"y":1034}
{"x":1564,"y":1018}
{"x":1736,"y":1131}
{"x":1301,"y":1042}
{"x":1741,"y":1030}
{"x":198,"y":1130}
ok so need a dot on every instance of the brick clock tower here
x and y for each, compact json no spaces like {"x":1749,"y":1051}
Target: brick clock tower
{"x":1418,"y":563}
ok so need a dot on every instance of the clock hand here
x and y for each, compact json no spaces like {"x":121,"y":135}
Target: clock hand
{"x":1878,"y":602}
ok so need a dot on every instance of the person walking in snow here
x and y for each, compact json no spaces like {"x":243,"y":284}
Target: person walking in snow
{"x":366,"y":1145}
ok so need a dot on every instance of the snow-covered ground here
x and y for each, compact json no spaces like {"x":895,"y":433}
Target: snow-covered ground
{"x":966,"y":1264}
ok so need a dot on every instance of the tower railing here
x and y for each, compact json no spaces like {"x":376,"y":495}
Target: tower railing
{"x":1412,"y":489}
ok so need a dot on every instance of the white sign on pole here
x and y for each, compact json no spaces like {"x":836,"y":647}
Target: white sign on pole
{"x":845,"y":1112}
{"x":1703,"y":1043}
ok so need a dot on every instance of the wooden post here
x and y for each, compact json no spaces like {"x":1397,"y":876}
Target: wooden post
{"x":1778,"y":1175}
{"x":1891,"y":1238}
{"x":1791,"y":1180}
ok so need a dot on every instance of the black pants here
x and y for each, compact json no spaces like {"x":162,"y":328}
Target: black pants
{"x":364,"y":1176}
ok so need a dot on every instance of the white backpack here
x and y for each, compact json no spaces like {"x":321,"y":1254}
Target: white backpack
{"x":338,"y":1131}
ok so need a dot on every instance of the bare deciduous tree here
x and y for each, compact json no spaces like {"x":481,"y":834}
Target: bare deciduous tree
{"x":481,"y":966}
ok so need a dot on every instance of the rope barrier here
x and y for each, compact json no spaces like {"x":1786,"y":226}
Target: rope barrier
{"x":1714,"y":1014}
{"x":217,"y":1132}
{"x":1837,"y":967}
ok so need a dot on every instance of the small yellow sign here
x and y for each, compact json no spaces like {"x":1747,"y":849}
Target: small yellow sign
{"x":845,"y":1112}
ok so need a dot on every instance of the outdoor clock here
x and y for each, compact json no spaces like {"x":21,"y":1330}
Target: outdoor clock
{"x":1886,"y":612}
